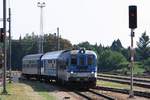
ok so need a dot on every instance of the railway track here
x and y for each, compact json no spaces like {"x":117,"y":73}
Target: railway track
{"x":125,"y":91}
{"x":144,"y":80}
{"x":86,"y":94}
{"x":145,"y":84}
{"x":92,"y":95}
{"x":105,"y":96}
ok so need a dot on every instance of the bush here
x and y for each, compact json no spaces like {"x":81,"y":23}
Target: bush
{"x":110,"y":60}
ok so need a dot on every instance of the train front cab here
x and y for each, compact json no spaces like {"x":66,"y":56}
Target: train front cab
{"x":82,"y":68}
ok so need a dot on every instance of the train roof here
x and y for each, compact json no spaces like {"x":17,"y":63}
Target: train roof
{"x":32,"y":57}
{"x":86,"y":52}
{"x":52,"y":55}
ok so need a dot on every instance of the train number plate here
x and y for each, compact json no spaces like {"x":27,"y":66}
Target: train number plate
{"x":82,"y":74}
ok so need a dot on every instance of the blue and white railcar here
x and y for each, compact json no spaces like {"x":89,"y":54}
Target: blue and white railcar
{"x":64,"y":66}
{"x":50,"y":62}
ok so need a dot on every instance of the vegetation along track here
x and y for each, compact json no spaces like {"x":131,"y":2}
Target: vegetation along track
{"x":125,"y":91}
{"x":145,"y":84}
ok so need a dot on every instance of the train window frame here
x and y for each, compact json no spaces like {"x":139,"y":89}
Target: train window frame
{"x":54,"y":61}
{"x":48,"y":63}
{"x":75,"y":62}
{"x":93,"y":61}
{"x":83,"y":59}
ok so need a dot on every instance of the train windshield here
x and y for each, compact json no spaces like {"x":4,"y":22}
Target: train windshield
{"x":81,"y":60}
{"x":73,"y":60}
{"x":90,"y":59}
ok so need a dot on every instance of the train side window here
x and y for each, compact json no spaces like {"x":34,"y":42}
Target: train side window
{"x":52,"y":66}
{"x":49,"y":61}
{"x":74,"y":60}
{"x":54,"y":63}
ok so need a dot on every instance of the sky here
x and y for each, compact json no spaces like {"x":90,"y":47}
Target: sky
{"x":96,"y":21}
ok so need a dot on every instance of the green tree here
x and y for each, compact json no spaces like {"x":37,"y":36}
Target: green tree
{"x":126,"y":53}
{"x":116,"y":45}
{"x":143,"y":49}
{"x":147,"y":65}
{"x":50,"y":43}
{"x":86,"y":45}
{"x":110,"y":60}
{"x":17,"y":53}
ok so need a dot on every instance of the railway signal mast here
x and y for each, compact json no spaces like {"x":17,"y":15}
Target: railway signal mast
{"x":41,"y":38}
{"x":132,"y":26}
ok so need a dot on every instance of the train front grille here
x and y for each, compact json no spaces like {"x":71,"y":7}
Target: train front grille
{"x":82,"y":68}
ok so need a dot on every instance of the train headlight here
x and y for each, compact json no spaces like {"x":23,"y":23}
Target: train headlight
{"x":71,"y":72}
{"x":92,"y":72}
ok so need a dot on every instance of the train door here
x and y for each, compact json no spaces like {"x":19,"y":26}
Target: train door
{"x":42,"y":64}
{"x":39,"y":67}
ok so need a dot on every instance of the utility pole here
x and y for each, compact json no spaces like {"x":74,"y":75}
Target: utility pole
{"x":58,"y":41}
{"x":132,"y":64}
{"x":55,"y":42}
{"x":41,"y":5}
{"x":5,"y":59}
{"x":9,"y":45}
